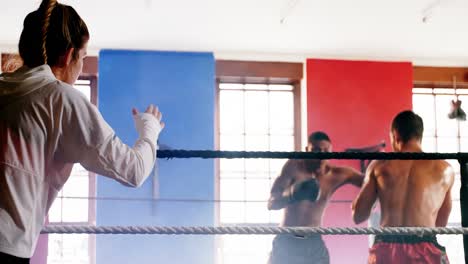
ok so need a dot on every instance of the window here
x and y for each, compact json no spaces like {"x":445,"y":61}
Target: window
{"x":252,"y":117}
{"x":442,"y":134}
{"x":73,"y":206}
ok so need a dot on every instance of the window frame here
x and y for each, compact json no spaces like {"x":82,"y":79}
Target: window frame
{"x":434,"y":86}
{"x":228,"y":71}
{"x":248,"y":72}
{"x":458,"y":136}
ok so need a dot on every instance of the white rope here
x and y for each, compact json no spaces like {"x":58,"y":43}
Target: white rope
{"x":252,"y":230}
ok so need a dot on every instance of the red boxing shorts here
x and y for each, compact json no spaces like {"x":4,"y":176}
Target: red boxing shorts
{"x":407,"y":249}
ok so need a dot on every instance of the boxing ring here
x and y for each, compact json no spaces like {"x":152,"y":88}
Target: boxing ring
{"x":462,"y":158}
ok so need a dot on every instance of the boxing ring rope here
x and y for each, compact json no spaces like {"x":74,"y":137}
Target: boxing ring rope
{"x":251,"y":230}
{"x":175,"y":200}
{"x":211,"y":154}
{"x":461,"y":157}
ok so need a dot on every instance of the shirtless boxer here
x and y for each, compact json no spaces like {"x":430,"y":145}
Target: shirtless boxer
{"x":411,"y":193}
{"x":304,"y":188}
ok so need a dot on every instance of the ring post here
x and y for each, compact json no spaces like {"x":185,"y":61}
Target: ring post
{"x":464,"y":201}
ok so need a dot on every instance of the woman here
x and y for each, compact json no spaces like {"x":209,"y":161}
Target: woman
{"x":46,"y":126}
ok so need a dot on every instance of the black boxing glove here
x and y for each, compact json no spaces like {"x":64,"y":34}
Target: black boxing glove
{"x":305,"y":190}
{"x":456,"y":111}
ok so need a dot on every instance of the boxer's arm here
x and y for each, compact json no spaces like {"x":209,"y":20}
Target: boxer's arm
{"x":362,"y":205}
{"x":279,"y":196}
{"x":355,"y":177}
{"x":444,"y":211}
{"x":347,"y":175}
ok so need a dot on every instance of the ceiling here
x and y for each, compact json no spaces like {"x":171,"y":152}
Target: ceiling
{"x":366,"y":29}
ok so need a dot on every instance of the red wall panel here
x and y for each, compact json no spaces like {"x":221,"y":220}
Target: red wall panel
{"x":354,"y":102}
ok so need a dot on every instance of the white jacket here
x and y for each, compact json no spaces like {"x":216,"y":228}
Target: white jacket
{"x":46,"y":126}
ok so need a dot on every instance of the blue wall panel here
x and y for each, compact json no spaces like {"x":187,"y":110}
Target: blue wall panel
{"x":182,"y":85}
